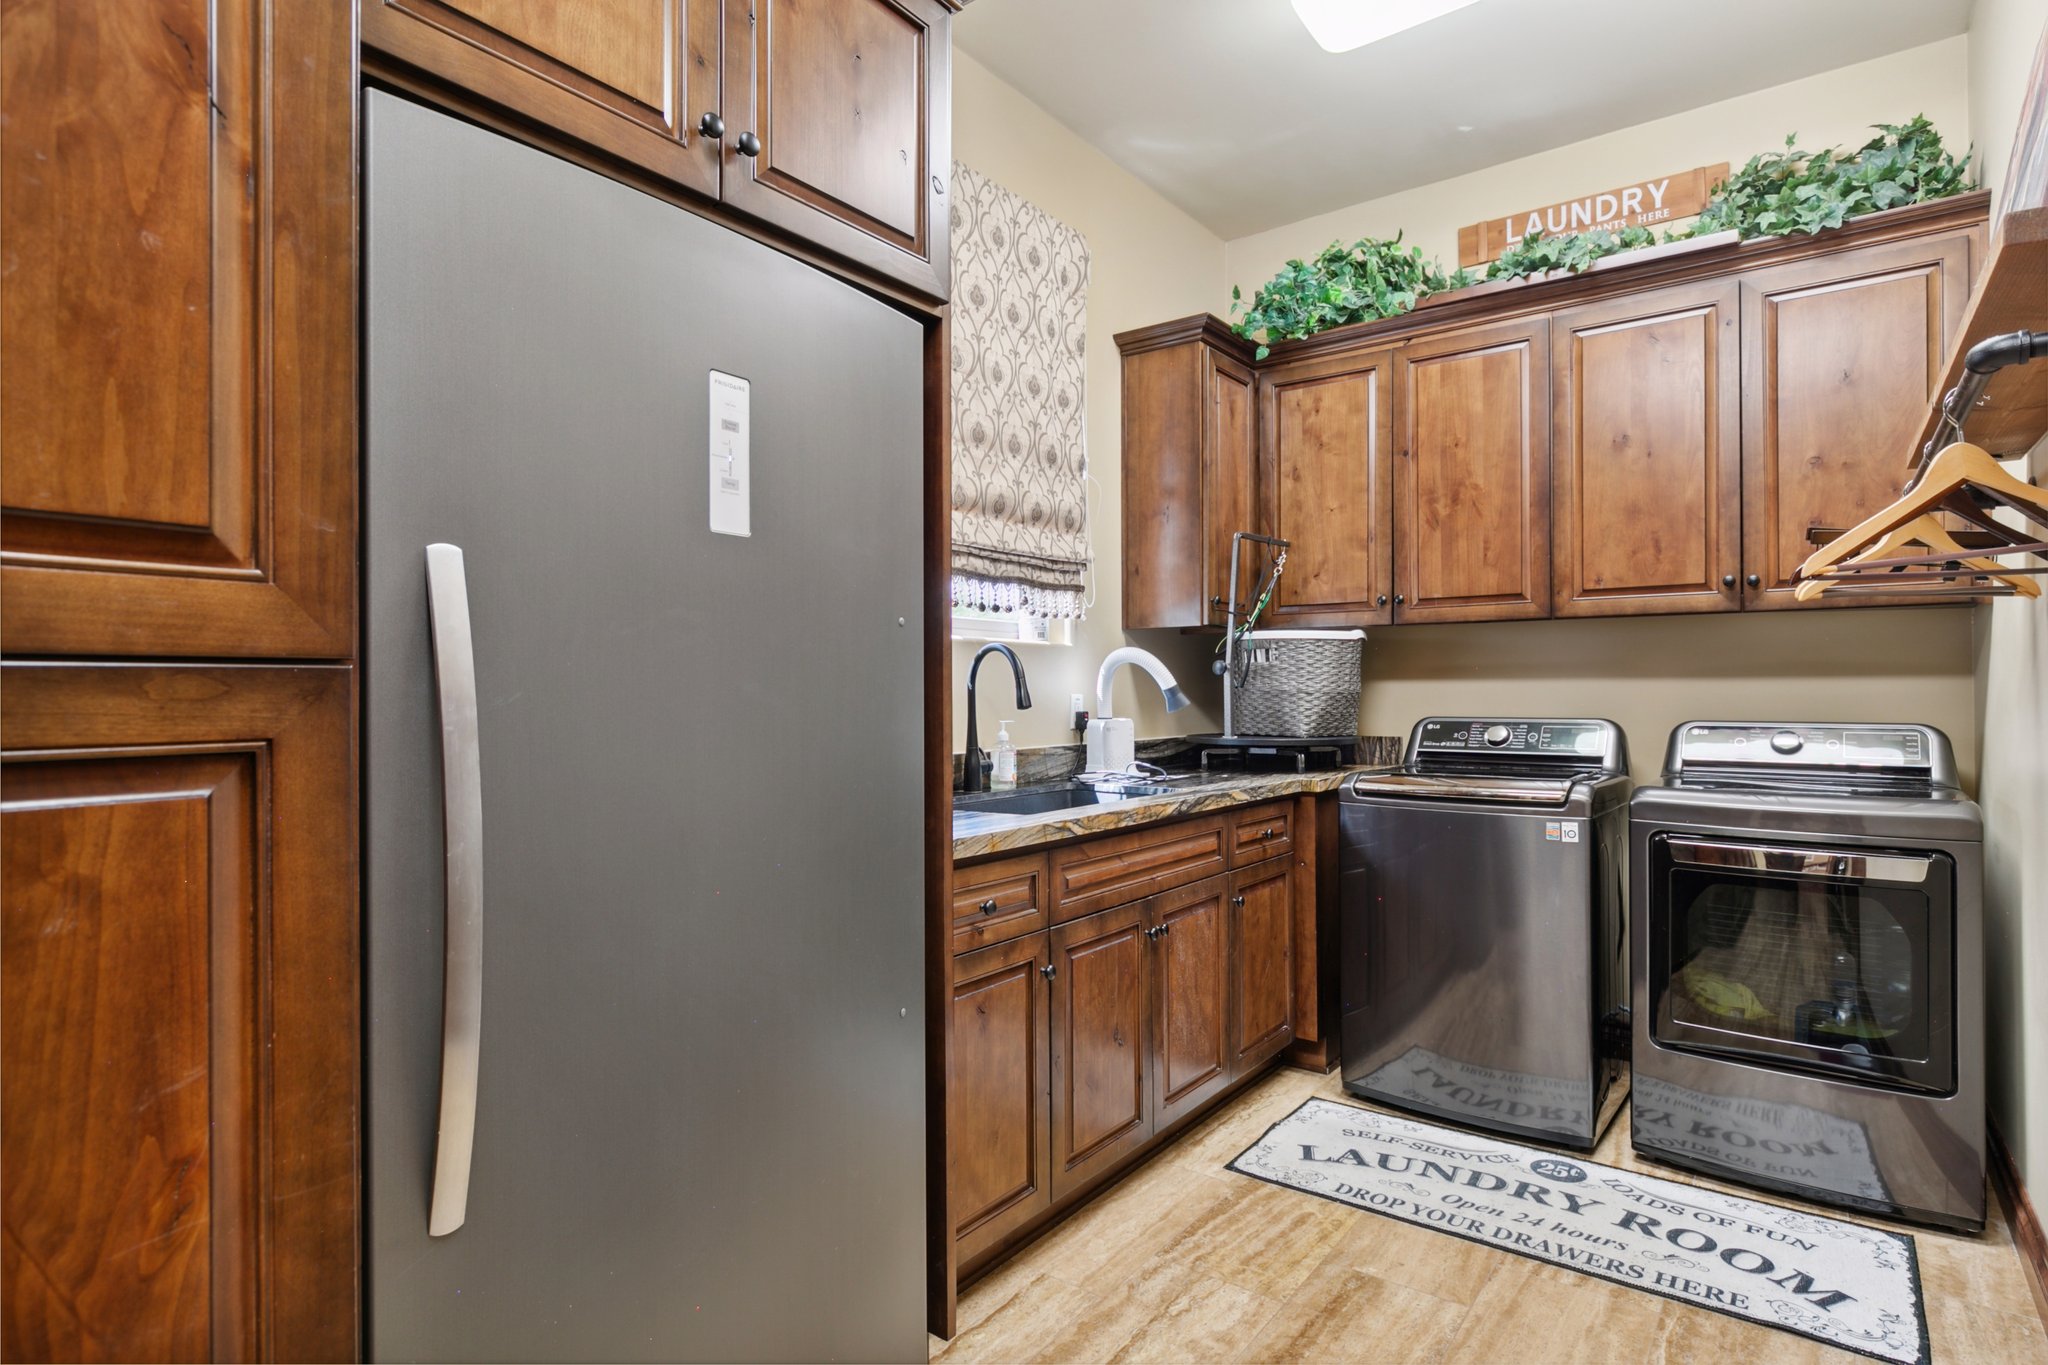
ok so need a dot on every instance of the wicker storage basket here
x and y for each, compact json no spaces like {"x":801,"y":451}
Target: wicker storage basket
{"x":1297,"y":683}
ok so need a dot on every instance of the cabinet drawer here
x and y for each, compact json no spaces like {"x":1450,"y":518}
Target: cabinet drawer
{"x":1260,"y":832}
{"x":995,"y":902}
{"x":1127,"y":867}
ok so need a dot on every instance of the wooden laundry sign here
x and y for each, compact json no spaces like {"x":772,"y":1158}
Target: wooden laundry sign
{"x":1643,"y":204}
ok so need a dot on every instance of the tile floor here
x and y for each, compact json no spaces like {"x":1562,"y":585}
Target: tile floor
{"x":1186,"y":1261}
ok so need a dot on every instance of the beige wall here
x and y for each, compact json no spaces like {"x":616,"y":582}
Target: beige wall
{"x":1651,"y":674}
{"x":1833,"y":107}
{"x":1147,"y":261}
{"x":2012,"y":683}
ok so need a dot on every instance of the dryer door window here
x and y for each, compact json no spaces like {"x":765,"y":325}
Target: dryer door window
{"x":1830,"y":959}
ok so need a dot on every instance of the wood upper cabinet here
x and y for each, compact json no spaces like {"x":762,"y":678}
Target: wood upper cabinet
{"x":631,"y":78}
{"x":1261,"y":962}
{"x":1839,"y":355}
{"x":178,"y":199}
{"x":1646,"y":470}
{"x":1190,"y":933}
{"x":846,"y":106}
{"x":1229,"y":449}
{"x":1189,"y":439}
{"x":178,"y":1014}
{"x":1326,"y":480}
{"x":1471,"y":489}
{"x":829,"y":120}
{"x":999,"y":1125}
{"x":1101,"y":1040}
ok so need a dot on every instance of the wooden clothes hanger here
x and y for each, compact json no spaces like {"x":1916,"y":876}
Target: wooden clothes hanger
{"x":1922,"y":530}
{"x":1945,"y":482}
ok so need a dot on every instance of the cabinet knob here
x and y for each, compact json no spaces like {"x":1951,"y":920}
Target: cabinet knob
{"x":1382,"y":600}
{"x":1215,"y":601}
{"x":1399,"y":599}
{"x":749,"y":145}
{"x":1049,"y":971}
{"x":1237,"y":901}
{"x":1265,"y":834}
{"x":711,"y":125}
{"x":1165,"y":929}
{"x":1153,"y":932}
{"x":1727,"y":580}
{"x":1754,"y":581}
{"x":988,"y":907}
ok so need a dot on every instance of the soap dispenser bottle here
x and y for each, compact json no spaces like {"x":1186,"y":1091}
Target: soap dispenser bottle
{"x":1003,"y":776}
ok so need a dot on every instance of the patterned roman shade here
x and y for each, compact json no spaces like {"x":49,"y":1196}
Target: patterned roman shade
{"x":1020,"y":459}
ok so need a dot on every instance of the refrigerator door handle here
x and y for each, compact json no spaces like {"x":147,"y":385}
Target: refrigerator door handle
{"x":462,"y":818}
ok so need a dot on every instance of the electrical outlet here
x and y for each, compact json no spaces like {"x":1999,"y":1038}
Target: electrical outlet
{"x":1076,"y":703}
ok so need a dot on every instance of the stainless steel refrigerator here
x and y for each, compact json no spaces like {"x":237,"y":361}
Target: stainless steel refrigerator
{"x":642,"y":797}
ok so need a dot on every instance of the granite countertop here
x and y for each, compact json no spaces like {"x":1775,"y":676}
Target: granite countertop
{"x":976,"y":834}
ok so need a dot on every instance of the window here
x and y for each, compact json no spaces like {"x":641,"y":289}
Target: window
{"x":1010,"y":627}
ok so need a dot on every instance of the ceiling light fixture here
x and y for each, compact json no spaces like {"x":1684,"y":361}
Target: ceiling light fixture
{"x":1341,"y":25}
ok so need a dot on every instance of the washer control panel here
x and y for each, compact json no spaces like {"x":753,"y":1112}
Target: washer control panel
{"x":1587,"y":741}
{"x":1907,"y":748}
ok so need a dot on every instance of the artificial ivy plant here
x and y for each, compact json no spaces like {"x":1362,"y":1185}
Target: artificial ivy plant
{"x":1374,"y":277}
{"x":1775,"y":194}
{"x":1780,"y":193}
{"x":1539,"y":253}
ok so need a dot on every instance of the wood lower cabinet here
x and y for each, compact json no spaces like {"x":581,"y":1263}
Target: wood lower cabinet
{"x":178,"y":198}
{"x":1646,"y":468}
{"x":999,"y":1099}
{"x":1326,"y":432}
{"x":1076,"y":1048}
{"x":1839,"y":355}
{"x":178,"y":1013}
{"x":1189,"y":434}
{"x":1261,"y":962}
{"x":1472,"y":486}
{"x":1101,"y":1042}
{"x":1190,"y":932}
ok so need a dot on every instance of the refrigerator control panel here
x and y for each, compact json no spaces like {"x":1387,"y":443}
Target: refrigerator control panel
{"x":732,"y":494}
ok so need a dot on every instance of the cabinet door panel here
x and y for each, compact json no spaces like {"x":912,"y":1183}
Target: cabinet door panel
{"x":1646,"y":477}
{"x":1191,"y":936}
{"x":630,"y":77}
{"x":998,"y":1124}
{"x":177,"y":475}
{"x":1101,"y":1019}
{"x":177,"y":1014}
{"x":850,"y":100}
{"x":1227,"y":482}
{"x":1839,"y":355}
{"x":1472,"y":488}
{"x":1261,"y":962}
{"x":1325,"y":480}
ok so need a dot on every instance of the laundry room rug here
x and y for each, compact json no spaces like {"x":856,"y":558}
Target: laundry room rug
{"x":1840,"y":1283}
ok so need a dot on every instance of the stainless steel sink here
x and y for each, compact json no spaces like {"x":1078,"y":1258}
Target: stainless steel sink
{"x":1065,"y":796}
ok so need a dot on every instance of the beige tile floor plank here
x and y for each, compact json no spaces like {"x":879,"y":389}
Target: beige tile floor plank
{"x":1159,"y":1199}
{"x":1022,"y":1318}
{"x":1341,"y":1313}
{"x":1184,"y":1260}
{"x":1537,"y":1314}
{"x":1264,"y":1239}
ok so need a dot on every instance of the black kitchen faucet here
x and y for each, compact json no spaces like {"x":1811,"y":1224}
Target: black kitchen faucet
{"x":974,"y":767}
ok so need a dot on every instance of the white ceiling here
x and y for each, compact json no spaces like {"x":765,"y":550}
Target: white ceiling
{"x":1230,"y":110}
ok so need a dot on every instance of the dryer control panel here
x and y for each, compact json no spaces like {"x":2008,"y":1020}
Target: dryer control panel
{"x":1909,"y":750}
